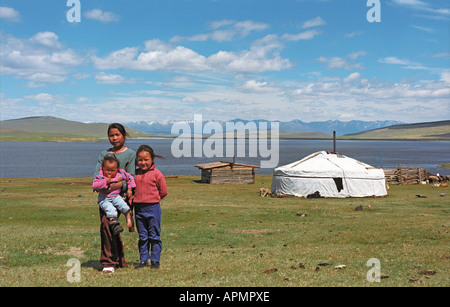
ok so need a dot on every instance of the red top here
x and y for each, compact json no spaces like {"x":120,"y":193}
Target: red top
{"x":150,"y":186}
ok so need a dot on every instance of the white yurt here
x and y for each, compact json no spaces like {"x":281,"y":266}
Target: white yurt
{"x":331,"y":174}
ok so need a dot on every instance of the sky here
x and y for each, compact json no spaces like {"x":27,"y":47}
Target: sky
{"x":312,"y":60}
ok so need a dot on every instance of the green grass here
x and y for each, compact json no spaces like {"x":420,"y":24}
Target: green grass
{"x":422,"y":131}
{"x":227,"y":235}
{"x":26,"y":136}
{"x":445,"y":165}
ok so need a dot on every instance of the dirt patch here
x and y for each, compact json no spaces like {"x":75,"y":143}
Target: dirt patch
{"x":77,"y":252}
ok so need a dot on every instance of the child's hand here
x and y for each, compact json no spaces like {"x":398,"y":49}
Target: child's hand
{"x":129,"y":193}
{"x":108,"y":180}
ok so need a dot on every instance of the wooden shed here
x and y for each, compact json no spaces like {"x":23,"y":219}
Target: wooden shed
{"x":227,"y":173}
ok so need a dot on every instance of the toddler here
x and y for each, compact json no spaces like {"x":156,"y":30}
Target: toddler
{"x":110,"y":172}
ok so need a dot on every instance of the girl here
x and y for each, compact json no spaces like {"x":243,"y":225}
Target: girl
{"x":112,"y":251}
{"x":150,"y":189}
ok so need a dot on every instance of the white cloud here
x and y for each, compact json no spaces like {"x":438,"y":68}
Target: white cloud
{"x":41,"y":58}
{"x":445,"y":77}
{"x":99,"y":15}
{"x":46,"y":39}
{"x":176,"y":59}
{"x":44,"y":99}
{"x":315,"y":22}
{"x":425,"y":7}
{"x":224,"y":31}
{"x":104,"y":78}
{"x":354,"y":34}
{"x":83,"y":100}
{"x":9,"y":14}
{"x":414,"y":3}
{"x":322,"y":99}
{"x":117,"y":59}
{"x":306,"y":35}
{"x":338,"y":62}
{"x":352,"y":77}
{"x":159,"y":56}
{"x":45,"y":77}
{"x":407,"y":64}
{"x":355,"y":55}
{"x":257,"y":86}
{"x":425,"y":29}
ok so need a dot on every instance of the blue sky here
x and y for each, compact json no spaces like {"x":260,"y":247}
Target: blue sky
{"x":151,"y":60}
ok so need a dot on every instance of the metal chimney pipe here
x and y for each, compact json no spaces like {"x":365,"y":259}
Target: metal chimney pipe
{"x":334,"y":141}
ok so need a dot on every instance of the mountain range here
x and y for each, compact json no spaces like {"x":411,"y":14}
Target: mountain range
{"x":287,"y":127}
{"x":53,"y":129}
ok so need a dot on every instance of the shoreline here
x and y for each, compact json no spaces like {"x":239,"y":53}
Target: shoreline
{"x":100,"y":140}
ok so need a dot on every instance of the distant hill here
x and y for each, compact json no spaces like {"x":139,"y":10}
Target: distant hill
{"x":47,"y":128}
{"x":439,"y":130}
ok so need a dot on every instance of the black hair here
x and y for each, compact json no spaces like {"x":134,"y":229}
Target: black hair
{"x":119,"y":127}
{"x":111,"y":158}
{"x":149,"y":150}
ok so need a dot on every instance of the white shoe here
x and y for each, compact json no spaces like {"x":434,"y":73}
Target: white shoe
{"x":108,"y":270}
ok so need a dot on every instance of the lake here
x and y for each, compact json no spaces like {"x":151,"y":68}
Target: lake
{"x":49,"y":159}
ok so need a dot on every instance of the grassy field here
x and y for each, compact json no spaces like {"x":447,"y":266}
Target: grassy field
{"x":26,"y":136}
{"x":227,"y":235}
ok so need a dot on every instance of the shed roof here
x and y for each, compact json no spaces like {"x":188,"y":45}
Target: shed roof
{"x":219,"y":164}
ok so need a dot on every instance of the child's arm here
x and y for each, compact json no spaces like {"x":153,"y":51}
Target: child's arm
{"x":161,"y":184}
{"x":100,"y":183}
{"x":129,"y":193}
{"x":131,"y":184}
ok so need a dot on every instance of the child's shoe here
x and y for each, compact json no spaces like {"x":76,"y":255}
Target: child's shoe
{"x":108,"y":270}
{"x":141,"y":265}
{"x":115,"y":227}
{"x":154,"y":265}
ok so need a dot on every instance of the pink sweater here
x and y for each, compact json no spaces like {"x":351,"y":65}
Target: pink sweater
{"x":150,"y":186}
{"x":100,"y":182}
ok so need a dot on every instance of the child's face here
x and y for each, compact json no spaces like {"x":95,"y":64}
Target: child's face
{"x":116,"y":138}
{"x":110,"y":169}
{"x":144,"y":160}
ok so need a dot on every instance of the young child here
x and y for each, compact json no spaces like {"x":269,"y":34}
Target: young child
{"x":150,"y":190}
{"x":110,"y":172}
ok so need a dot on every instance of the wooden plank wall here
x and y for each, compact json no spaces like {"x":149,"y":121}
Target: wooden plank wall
{"x":405,"y":175}
{"x":229,"y":176}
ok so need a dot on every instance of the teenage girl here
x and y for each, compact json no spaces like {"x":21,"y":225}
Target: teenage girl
{"x":150,"y":190}
{"x":112,"y":251}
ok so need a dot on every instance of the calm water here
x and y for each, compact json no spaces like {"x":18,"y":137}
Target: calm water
{"x":30,"y":159}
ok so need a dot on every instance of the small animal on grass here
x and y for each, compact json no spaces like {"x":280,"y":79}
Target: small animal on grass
{"x":263,"y":192}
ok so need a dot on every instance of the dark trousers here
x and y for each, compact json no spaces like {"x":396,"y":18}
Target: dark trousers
{"x":112,"y":251}
{"x":148,"y":223}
